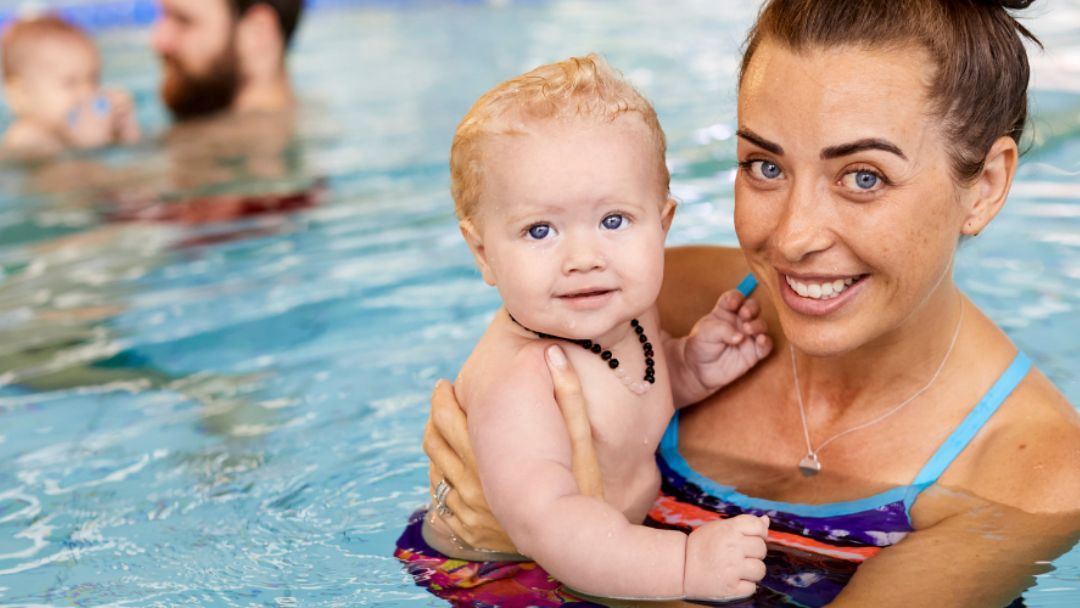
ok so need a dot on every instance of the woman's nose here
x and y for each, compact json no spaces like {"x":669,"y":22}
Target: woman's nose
{"x":804,"y":227}
{"x":582,"y":254}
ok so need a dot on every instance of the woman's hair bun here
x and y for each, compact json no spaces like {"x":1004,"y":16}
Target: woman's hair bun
{"x":1011,"y":4}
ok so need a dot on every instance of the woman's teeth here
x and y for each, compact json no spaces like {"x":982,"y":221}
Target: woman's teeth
{"x":819,"y":290}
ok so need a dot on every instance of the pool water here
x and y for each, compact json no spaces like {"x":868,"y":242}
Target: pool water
{"x":227,"y":411}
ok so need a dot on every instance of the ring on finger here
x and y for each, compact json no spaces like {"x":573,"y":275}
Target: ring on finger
{"x":442,"y":490}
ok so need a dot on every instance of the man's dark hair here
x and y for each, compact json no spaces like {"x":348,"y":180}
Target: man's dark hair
{"x":288,"y":12}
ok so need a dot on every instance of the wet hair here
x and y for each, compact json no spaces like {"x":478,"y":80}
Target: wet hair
{"x":287,"y":11}
{"x":577,"y":87}
{"x":20,"y":40}
{"x":979,"y":88}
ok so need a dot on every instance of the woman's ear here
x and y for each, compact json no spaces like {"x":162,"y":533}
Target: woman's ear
{"x":476,"y":246}
{"x":667,"y":214}
{"x":987,"y":194}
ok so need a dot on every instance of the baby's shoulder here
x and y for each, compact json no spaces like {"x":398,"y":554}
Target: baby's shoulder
{"x":24,"y":140}
{"x":498,"y":365}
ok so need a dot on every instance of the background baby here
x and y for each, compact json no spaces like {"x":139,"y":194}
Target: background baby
{"x":51,"y":73}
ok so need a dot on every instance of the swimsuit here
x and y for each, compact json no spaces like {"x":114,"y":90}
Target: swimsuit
{"x":813,"y":549}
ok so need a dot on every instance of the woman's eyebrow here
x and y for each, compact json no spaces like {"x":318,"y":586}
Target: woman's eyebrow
{"x":760,"y":141}
{"x":859,"y":146}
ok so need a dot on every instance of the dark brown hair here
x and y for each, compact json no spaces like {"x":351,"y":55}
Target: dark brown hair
{"x":980,"y":87}
{"x":288,"y":13}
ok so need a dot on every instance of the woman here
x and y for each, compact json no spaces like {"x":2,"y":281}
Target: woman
{"x":895,"y":429}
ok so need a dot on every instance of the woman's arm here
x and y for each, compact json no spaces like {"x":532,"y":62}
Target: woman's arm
{"x":983,"y":557}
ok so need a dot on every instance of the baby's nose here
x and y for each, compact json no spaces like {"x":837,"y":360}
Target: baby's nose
{"x":583,"y":255}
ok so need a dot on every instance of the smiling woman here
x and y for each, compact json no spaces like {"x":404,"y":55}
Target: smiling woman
{"x":897,"y":427}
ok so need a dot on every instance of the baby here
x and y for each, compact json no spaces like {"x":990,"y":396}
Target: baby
{"x":51,"y":70}
{"x":561,"y":188}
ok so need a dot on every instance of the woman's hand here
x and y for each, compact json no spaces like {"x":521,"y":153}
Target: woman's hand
{"x":572,"y":403}
{"x":446,"y":442}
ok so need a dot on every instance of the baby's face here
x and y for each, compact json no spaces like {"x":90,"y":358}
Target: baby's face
{"x":571,"y":224}
{"x":61,"y":75}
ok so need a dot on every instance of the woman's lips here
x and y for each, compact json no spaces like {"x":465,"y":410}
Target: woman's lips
{"x":820,"y":295}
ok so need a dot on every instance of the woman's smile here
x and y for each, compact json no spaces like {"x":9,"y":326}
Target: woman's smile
{"x":819,"y":295}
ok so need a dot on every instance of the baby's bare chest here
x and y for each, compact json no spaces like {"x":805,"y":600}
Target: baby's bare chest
{"x":627,"y":427}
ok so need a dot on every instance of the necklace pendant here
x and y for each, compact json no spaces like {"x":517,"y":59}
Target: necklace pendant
{"x":810,"y":465}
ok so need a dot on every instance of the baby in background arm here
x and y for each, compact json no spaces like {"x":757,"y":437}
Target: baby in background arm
{"x":51,"y":70}
{"x":561,"y":186}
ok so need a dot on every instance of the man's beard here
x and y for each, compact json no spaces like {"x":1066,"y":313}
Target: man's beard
{"x":190,"y":95}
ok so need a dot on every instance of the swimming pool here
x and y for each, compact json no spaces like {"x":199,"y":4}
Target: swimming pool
{"x":208,"y":413}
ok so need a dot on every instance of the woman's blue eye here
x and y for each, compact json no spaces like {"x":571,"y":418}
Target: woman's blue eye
{"x":539,"y":231}
{"x":770,"y":170}
{"x":613,"y":222}
{"x":762,"y":169}
{"x":865,"y":180}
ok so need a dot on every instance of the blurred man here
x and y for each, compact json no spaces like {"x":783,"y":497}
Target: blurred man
{"x":225,"y":55}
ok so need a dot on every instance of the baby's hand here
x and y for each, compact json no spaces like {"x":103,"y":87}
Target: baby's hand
{"x":107,"y":118}
{"x":723,"y":558}
{"x":125,"y":124}
{"x":90,"y":124}
{"x":727,"y":342}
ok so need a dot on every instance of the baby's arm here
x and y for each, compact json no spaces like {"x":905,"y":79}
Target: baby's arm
{"x":25,"y":140}
{"x":524,"y":460}
{"x":722,"y":346}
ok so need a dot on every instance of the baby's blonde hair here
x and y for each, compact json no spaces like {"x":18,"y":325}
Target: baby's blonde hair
{"x":577,"y":87}
{"x":20,"y":40}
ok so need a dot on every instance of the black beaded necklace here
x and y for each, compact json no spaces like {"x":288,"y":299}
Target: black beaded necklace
{"x":606,"y":355}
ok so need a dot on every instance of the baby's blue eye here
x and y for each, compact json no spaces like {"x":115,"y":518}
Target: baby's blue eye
{"x":539,"y":231}
{"x":613,"y":221}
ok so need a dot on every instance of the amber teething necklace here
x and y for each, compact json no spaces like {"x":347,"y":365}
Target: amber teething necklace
{"x":637,"y":387}
{"x":810,"y":465}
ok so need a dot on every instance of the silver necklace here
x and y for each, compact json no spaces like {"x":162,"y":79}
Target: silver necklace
{"x":810,"y":465}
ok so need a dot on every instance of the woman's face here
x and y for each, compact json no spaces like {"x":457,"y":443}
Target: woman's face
{"x":844,"y":201}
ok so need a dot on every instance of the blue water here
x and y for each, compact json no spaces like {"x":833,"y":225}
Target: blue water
{"x":257,"y":438}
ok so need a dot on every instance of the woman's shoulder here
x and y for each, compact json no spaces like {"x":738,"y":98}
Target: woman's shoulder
{"x":694,"y":277}
{"x":1028,"y":457}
